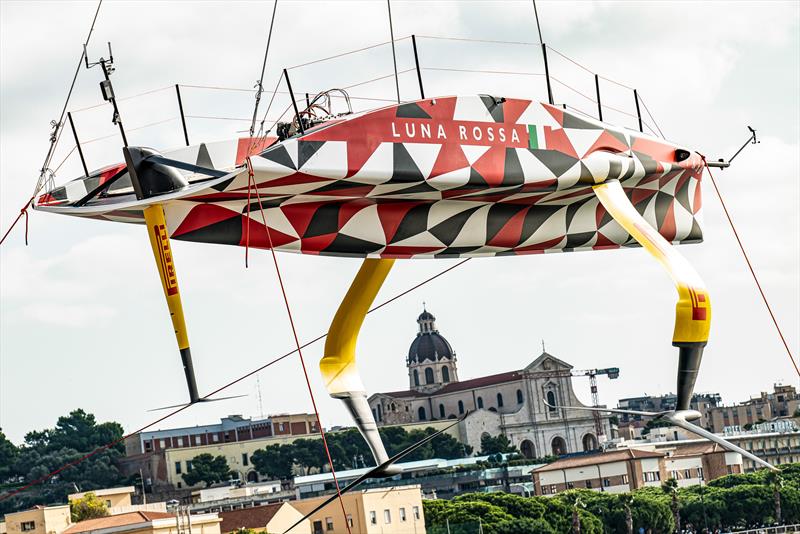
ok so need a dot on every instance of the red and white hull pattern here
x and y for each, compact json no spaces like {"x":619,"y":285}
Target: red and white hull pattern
{"x":444,"y":177}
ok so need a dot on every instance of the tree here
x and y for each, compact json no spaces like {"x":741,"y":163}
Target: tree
{"x":670,"y":487}
{"x":274,"y":461}
{"x":495,"y":445}
{"x":87,"y":507}
{"x":8,"y":456}
{"x":207,"y":469}
{"x":626,"y":499}
{"x":775,"y":479}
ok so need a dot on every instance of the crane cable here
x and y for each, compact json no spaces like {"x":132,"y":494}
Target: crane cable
{"x":752,"y":271}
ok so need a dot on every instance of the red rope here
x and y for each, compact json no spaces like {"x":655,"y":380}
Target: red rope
{"x":22,"y":211}
{"x":247,"y":230}
{"x":752,"y":271}
{"x":299,"y":349}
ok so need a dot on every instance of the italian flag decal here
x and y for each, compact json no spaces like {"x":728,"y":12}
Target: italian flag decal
{"x":536,"y":138}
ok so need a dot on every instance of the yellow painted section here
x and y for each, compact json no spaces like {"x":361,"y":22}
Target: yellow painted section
{"x":338,"y":366}
{"x":162,"y":252}
{"x":693,"y":310}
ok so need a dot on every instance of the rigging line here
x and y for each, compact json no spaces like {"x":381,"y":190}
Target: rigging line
{"x":261,"y":133}
{"x":22,"y":211}
{"x":377,"y":79}
{"x":297,"y":344}
{"x":587,"y":97}
{"x":752,"y":271}
{"x":260,"y":84}
{"x":465,"y":39}
{"x":651,"y":116}
{"x":225,"y":386}
{"x":520,"y":73}
{"x":394,"y":54}
{"x":121,"y":99}
{"x":56,"y":135}
{"x":240,"y":119}
{"x":538,"y":26}
{"x":345,"y":53}
{"x":613,"y":81}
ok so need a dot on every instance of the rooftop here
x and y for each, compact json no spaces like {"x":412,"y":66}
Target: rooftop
{"x":452,"y":387}
{"x":120,"y":520}
{"x":256,"y":517}
{"x":602,"y":458}
{"x":102,"y":492}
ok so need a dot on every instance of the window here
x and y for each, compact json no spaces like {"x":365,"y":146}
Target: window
{"x":27,"y":526}
{"x":373,"y":518}
{"x":387,"y":517}
{"x":244,"y":459}
{"x":380,"y":413}
{"x":148,"y":446}
{"x":197,"y":440}
{"x":551,"y":401}
{"x":441,"y":411}
{"x":700,"y":473}
{"x":687,"y":473}
{"x":499,"y":400}
{"x":460,"y":407}
{"x":162,"y":443}
{"x":108,"y":503}
{"x":189,"y":466}
{"x":624,"y":479}
{"x":445,"y":374}
{"x":180,"y":442}
{"x":349,"y":520}
{"x":179,"y":485}
{"x":416,"y":377}
{"x":402,"y":514}
{"x":215,"y":438}
{"x":328,"y":523}
{"x":429,"y":375}
{"x":421,"y":414}
{"x":227,"y":436}
{"x":317,"y":527}
{"x":480,"y":402}
{"x":652,"y":476}
{"x":570,"y":485}
{"x":177,"y":468}
{"x":416,"y":512}
{"x":553,"y":489}
{"x":606,"y":482}
{"x":520,"y":398}
{"x":589,"y":484}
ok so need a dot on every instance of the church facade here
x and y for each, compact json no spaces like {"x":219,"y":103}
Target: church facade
{"x":525,"y":405}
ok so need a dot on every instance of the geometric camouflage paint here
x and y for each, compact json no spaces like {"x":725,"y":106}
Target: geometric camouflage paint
{"x":441,"y":177}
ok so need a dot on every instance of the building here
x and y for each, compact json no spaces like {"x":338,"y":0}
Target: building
{"x":522,"y":404}
{"x":147,"y":523}
{"x":163,"y":456}
{"x":118,"y":500}
{"x":39,"y":520}
{"x":231,"y":429}
{"x":702,"y":402}
{"x":627,"y":469}
{"x":396,"y":510}
{"x":782,"y":402}
{"x":271,"y":518}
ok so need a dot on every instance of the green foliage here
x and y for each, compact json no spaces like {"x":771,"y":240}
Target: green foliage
{"x":87,"y":507}
{"x":207,"y":469}
{"x":43,"y":451}
{"x":496,"y":445}
{"x":8,"y":456}
{"x":277,"y":461}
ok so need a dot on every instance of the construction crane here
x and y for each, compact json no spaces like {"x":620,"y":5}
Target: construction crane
{"x":612,"y":372}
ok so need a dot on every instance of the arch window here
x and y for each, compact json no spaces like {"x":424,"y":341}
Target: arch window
{"x":559,"y":446}
{"x":445,"y":374}
{"x":527,"y":449}
{"x":252,"y":476}
{"x":460,"y":407}
{"x":394,"y":407}
{"x":520,"y":398}
{"x":421,"y":414}
{"x":480,"y":402}
{"x":416,"y":377}
{"x":589,"y":442}
{"x":441,"y":411}
{"x":429,"y":375}
{"x":499,"y":400}
{"x":380,"y":413}
{"x":551,"y":400}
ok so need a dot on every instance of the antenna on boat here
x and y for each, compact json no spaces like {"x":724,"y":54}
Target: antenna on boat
{"x":260,"y":83}
{"x":106,"y":88}
{"x":394,"y":55}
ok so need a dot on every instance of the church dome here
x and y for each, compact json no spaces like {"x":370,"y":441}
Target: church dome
{"x":429,"y":344}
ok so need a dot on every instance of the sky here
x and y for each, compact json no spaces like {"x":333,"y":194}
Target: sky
{"x":83,"y":323}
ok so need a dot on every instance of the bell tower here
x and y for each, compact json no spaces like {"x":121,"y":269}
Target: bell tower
{"x":431,"y":360}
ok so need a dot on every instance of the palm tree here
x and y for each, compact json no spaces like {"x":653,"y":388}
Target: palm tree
{"x":627,"y":499}
{"x":775,"y":479}
{"x":670,"y":487}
